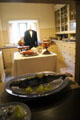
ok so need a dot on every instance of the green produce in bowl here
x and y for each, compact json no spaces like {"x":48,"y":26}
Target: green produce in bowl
{"x":18,"y":113}
{"x":40,"y":89}
{"x":48,"y":87}
{"x":28,"y":90}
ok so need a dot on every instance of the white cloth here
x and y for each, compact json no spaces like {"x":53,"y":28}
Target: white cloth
{"x":23,"y":65}
{"x":30,"y":33}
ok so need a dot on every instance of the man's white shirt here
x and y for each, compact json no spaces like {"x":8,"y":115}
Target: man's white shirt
{"x":30,"y":33}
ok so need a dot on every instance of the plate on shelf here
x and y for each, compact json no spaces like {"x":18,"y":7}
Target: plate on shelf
{"x":15,"y":111}
{"x":37,"y":85}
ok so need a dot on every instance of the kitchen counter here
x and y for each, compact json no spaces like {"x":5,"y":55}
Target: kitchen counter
{"x":67,"y":49}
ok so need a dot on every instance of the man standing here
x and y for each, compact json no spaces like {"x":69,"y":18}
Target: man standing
{"x":30,"y":38}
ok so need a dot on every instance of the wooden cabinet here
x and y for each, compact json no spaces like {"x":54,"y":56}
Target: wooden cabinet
{"x":65,"y":18}
{"x":57,"y":16}
{"x":72,"y":12}
{"x":61,"y":19}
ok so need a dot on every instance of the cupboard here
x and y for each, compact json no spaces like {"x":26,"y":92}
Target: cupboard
{"x":65,"y":18}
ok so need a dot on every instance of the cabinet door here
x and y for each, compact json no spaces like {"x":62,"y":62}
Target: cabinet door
{"x":72,"y":17}
{"x":57,"y":19}
{"x":64,"y":18}
{"x":72,"y":12}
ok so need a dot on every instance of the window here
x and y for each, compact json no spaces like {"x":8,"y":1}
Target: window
{"x":22,"y":29}
{"x":18,"y":28}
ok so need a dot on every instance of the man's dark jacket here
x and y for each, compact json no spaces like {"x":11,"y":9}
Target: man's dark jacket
{"x":30,"y":41}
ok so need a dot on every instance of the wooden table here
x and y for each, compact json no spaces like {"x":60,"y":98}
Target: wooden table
{"x":64,"y":106}
{"x":23,"y":65}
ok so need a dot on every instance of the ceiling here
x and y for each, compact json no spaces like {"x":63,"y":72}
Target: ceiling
{"x":40,"y":1}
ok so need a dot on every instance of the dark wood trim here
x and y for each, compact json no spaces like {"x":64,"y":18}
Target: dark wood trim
{"x":40,"y":1}
{"x":77,"y":57}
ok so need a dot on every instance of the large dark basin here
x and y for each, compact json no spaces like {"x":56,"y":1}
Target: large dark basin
{"x":55,"y":81}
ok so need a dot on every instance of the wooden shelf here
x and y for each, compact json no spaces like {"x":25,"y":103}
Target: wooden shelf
{"x":66,"y":20}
